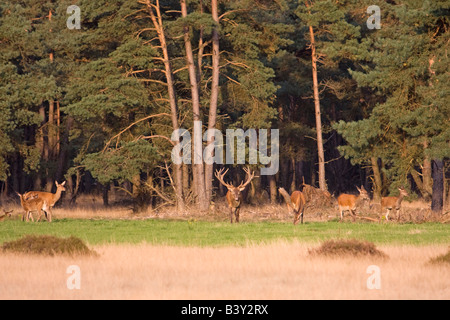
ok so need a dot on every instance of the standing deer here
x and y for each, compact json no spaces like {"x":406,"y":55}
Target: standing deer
{"x":49,"y":199}
{"x":234,"y":196}
{"x":390,"y":203}
{"x":350,"y":202}
{"x":296,"y":201}
{"x":31,"y":205}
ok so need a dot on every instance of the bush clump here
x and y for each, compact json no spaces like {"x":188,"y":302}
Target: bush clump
{"x":442,"y":259}
{"x":48,"y":245}
{"x":350,"y":247}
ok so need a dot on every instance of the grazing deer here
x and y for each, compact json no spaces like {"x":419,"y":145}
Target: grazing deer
{"x":296,"y":201}
{"x":390,"y":203}
{"x":31,"y":205}
{"x":234,"y":196}
{"x":6,"y":214}
{"x":350,"y":202}
{"x":49,"y":199}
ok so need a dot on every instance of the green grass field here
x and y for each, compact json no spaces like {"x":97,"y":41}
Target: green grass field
{"x":202,"y":233}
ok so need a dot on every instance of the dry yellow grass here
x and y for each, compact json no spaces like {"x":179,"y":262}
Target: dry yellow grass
{"x":275,"y":271}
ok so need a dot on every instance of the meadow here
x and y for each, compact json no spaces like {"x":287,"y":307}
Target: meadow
{"x":205,"y":233}
{"x":202,"y":257}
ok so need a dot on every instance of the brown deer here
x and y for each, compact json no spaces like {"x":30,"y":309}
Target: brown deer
{"x":6,"y":214}
{"x":295,"y":202}
{"x":30,"y":206}
{"x":49,"y":199}
{"x":234,"y":195}
{"x":390,"y":203}
{"x":349,"y":202}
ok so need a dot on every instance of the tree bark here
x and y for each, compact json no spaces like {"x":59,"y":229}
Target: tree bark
{"x":158,"y":24}
{"x":377,"y":181}
{"x":438,"y":187}
{"x":294,"y":176}
{"x":320,"y":152}
{"x":214,"y":96}
{"x":273,"y":189}
{"x":426,"y":173}
{"x":203,"y":203}
{"x":63,"y":151}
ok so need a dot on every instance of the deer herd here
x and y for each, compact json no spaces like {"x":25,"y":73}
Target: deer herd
{"x":38,"y":201}
{"x":43,"y":202}
{"x":296,"y":202}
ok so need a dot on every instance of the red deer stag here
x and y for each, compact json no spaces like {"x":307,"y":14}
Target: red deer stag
{"x":350,"y":202}
{"x":234,"y":196}
{"x":390,"y":203}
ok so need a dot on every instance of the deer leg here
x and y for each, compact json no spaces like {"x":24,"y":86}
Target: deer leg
{"x":49,"y":215}
{"x":353,"y":212}
{"x":231,"y":214}
{"x":40,"y":215}
{"x":237,"y":214}
{"x":26,"y":216}
{"x":387,"y":214}
{"x":296,"y":216}
{"x":302,"y":216}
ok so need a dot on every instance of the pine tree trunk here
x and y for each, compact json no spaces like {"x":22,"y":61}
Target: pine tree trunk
{"x":294,"y":176}
{"x":203,"y":203}
{"x":40,"y":144}
{"x":63,"y":152}
{"x":178,"y":172}
{"x":51,"y":142}
{"x":273,"y":189}
{"x":426,"y":173}
{"x":186,"y":180}
{"x":438,"y":187}
{"x":447,"y":199}
{"x":320,"y":152}
{"x":50,"y":128}
{"x":214,"y":97}
{"x":377,"y":182}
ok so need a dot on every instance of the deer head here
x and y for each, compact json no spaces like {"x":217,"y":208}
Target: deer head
{"x":403,"y":192}
{"x":363,"y":194}
{"x":234,"y":192}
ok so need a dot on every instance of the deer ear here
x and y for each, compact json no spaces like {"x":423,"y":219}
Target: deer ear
{"x":64,"y":183}
{"x":242,"y":189}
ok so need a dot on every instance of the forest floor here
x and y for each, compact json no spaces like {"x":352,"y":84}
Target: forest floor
{"x":91,"y":207}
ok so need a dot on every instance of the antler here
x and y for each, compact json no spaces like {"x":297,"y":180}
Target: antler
{"x":220,"y":174}
{"x":250,"y":176}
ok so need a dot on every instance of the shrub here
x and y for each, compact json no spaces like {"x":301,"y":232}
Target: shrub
{"x":351,"y":247}
{"x":442,"y":259}
{"x":48,"y":245}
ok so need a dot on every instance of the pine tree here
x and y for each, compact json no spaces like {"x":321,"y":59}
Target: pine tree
{"x":410,"y":113}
